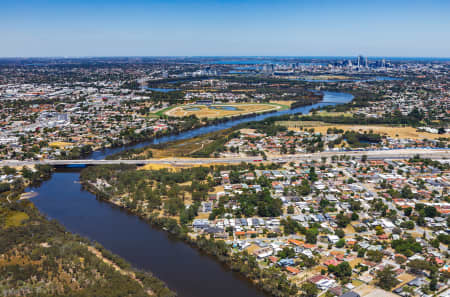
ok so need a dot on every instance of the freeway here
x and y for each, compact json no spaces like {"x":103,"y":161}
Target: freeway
{"x":371,"y":155}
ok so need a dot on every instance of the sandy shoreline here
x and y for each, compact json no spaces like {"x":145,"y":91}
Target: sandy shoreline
{"x":28,"y":195}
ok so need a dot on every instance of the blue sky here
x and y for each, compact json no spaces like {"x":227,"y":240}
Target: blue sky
{"x":250,"y":28}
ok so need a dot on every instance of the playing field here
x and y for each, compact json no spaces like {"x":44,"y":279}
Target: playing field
{"x":60,"y":144}
{"x":221,"y":110}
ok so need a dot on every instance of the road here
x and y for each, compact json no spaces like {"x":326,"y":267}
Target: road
{"x":371,"y":155}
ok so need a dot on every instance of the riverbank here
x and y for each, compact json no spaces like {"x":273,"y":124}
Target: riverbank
{"x":39,"y":256}
{"x":185,"y":270}
{"x":182,"y":268}
{"x":270,"y":280}
{"x":330,"y":98}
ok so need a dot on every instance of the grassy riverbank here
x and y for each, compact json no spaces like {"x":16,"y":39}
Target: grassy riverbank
{"x":38,"y":257}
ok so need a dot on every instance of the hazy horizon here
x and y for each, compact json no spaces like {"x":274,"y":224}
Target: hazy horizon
{"x":230,"y":56}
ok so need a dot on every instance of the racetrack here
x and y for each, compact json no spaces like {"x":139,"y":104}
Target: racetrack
{"x":222,"y":110}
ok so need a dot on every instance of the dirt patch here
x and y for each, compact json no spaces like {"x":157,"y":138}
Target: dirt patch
{"x":371,"y":291}
{"x":404,"y":278}
{"x":355,"y":262}
{"x":349,"y":230}
{"x":202,"y":215}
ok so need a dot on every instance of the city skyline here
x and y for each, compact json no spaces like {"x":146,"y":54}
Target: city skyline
{"x":225,"y":28}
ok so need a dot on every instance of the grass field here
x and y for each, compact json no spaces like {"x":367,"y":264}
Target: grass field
{"x":222,"y":110}
{"x":60,"y":144}
{"x":181,"y":166}
{"x":283,"y":102}
{"x":299,"y":124}
{"x":15,"y":219}
{"x":393,"y":132}
{"x":356,"y":282}
{"x":325,"y":113}
{"x":160,"y":112}
{"x":185,"y":147}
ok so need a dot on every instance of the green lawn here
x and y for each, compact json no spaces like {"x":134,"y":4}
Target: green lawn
{"x":356,"y":282}
{"x":161,"y":112}
{"x":334,"y":114}
{"x":15,"y":219}
{"x":283,"y":107}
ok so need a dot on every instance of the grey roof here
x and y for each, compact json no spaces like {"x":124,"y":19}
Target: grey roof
{"x":350,"y":294}
{"x":417,"y":282}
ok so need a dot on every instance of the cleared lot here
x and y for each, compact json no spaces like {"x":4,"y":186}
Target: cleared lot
{"x":393,"y":132}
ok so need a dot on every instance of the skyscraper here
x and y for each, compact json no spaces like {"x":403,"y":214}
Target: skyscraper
{"x":362,"y":62}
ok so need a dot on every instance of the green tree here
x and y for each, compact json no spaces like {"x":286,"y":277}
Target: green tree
{"x":342,"y":220}
{"x":340,"y":233}
{"x":309,"y":290}
{"x":311,"y":235}
{"x":304,"y":188}
{"x":434,"y":284}
{"x":290,"y":209}
{"x":9,"y":170}
{"x":286,"y":252}
{"x":312,"y":174}
{"x":418,"y":266}
{"x":407,"y":211}
{"x":342,"y":270}
{"x":375,"y":256}
{"x":430,"y":211}
{"x":386,"y":278}
{"x":407,"y":193}
{"x":407,"y":247}
{"x":340,"y":243}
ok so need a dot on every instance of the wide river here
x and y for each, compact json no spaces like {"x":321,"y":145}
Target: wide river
{"x":183,"y":268}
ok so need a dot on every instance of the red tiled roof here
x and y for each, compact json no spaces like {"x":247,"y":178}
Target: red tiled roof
{"x":273,"y":259}
{"x":316,"y":278}
{"x":292,"y":270}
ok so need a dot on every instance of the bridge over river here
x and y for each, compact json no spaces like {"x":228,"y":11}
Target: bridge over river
{"x":373,"y":155}
{"x":184,"y":269}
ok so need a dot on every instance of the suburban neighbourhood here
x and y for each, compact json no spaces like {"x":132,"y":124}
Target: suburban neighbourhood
{"x":354,"y":221}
